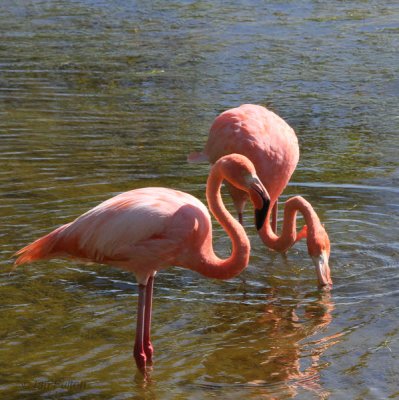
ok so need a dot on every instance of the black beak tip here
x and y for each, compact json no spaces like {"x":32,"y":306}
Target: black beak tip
{"x":260,"y":214}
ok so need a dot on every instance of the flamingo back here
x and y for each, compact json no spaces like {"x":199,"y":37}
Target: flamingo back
{"x":262,"y":136}
{"x":142,"y":230}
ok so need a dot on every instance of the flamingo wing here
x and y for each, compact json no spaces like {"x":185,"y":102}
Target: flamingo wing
{"x":142,"y":230}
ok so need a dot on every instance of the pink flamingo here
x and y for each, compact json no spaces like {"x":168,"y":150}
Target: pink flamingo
{"x":146,"y":230}
{"x":271,"y":144}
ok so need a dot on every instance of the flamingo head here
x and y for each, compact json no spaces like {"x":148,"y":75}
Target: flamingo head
{"x":319,"y":249}
{"x":239,"y":171}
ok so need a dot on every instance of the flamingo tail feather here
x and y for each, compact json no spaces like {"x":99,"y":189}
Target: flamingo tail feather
{"x":38,"y":250}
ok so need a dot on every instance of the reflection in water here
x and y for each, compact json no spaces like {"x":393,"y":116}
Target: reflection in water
{"x":287,"y":355}
{"x":287,"y":360}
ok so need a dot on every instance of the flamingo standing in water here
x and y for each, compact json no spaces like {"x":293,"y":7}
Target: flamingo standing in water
{"x":146,"y":230}
{"x":271,"y":144}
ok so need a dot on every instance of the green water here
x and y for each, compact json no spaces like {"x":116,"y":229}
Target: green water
{"x":99,"y":97}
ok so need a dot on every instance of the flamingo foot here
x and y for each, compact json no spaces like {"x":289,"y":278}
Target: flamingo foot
{"x":141,"y":360}
{"x":149,"y":351}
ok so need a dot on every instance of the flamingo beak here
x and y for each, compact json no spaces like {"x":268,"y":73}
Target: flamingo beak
{"x":261,"y":200}
{"x":323,"y":270}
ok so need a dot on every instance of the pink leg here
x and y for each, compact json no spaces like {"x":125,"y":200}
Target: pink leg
{"x":139,"y":353}
{"x":148,"y":349}
{"x":240,"y":217}
{"x":274,"y":216}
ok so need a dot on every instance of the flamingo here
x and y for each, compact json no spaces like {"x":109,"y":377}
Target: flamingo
{"x":146,"y":230}
{"x":271,"y":144}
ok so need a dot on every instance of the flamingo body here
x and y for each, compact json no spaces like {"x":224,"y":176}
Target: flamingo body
{"x":271,"y":144}
{"x":142,"y":231}
{"x":146,"y":230}
{"x":260,"y":135}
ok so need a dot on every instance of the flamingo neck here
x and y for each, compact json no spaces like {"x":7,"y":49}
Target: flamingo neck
{"x":289,"y":234}
{"x":210,"y":264}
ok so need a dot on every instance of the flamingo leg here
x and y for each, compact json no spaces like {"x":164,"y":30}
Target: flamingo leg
{"x":148,"y":348}
{"x":274,"y":216}
{"x":240,"y":217}
{"x":139,"y":353}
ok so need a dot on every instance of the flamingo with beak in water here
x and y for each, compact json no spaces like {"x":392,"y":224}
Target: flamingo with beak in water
{"x":271,"y":144}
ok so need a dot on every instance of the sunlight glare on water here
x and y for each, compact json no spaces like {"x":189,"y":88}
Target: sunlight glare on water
{"x":99,"y":97}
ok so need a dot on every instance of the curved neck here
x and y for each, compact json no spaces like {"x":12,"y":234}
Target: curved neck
{"x":288,"y":234}
{"x":210,"y":264}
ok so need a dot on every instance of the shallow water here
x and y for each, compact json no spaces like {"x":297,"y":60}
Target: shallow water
{"x":98,"y":97}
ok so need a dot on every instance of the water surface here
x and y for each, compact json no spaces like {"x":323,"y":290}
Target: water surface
{"x":99,"y":97}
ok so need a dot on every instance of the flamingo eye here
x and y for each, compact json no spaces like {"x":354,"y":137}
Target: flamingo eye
{"x":250,"y":179}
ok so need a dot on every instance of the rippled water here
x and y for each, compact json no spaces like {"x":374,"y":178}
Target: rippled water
{"x":98,"y":97}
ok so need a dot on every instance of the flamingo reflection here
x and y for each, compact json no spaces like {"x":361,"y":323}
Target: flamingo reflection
{"x":282,"y":349}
